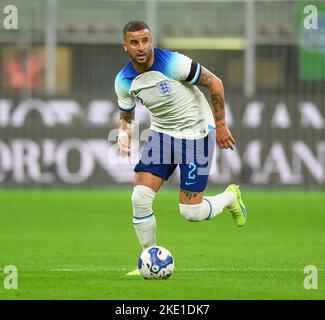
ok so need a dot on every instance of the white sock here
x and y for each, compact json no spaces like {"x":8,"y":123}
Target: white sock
{"x":146,"y":232}
{"x":195,"y":212}
{"x":143,"y":218}
{"x":219,"y":202}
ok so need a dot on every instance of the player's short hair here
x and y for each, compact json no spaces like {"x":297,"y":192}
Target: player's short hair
{"x":133,"y":26}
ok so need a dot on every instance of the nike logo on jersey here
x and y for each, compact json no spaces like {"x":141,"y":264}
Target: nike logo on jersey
{"x":188,"y":183}
{"x":136,"y":92}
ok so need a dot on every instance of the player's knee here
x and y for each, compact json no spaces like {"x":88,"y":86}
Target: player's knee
{"x":142,"y":199}
{"x":191,"y":212}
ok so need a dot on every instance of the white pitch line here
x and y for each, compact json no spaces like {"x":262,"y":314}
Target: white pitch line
{"x":87,"y":269}
{"x":122,"y":269}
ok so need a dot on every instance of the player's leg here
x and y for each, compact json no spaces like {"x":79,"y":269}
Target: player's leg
{"x":194,"y":206}
{"x":146,"y":186}
{"x":151,"y":171}
{"x":148,"y":180}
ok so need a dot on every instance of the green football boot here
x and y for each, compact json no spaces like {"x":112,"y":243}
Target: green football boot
{"x":135,"y":272}
{"x":238,"y":209}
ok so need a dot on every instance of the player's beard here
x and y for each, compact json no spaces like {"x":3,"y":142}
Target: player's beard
{"x":144,"y":61}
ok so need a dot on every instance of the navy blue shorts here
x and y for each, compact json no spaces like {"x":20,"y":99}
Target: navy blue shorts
{"x":163,"y":153}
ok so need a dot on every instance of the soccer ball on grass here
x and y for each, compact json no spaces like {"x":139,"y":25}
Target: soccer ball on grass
{"x":156,"y":263}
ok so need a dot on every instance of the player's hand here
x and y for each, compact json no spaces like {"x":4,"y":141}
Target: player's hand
{"x":224,"y":138}
{"x":123,"y":144}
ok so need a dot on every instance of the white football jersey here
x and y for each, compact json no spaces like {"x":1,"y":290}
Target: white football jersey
{"x":177,"y":107}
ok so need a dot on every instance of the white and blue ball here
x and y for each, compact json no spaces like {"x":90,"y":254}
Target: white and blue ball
{"x":156,"y":263}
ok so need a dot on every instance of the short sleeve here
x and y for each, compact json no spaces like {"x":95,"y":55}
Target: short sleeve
{"x":182,"y":68}
{"x":126,"y":102}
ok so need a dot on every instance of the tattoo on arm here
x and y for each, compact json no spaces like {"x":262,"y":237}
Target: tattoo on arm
{"x":215,"y":86}
{"x":127,"y":116}
{"x":189,"y":194}
{"x":205,"y":78}
{"x":218,"y":106}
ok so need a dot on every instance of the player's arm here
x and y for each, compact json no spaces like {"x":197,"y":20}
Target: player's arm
{"x":126,"y":104}
{"x":207,"y":79}
{"x":124,"y":136}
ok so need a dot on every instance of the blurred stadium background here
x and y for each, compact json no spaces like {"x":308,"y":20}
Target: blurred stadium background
{"x":57,"y":102}
{"x":57,"y":107}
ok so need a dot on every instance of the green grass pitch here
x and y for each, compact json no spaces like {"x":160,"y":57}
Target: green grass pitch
{"x":80,"y":244}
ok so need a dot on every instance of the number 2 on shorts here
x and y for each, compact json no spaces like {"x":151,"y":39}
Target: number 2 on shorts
{"x":191,"y":174}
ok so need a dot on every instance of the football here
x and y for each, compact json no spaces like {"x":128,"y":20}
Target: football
{"x":156,"y":263}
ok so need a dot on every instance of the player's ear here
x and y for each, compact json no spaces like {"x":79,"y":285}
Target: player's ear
{"x":124,"y":46}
